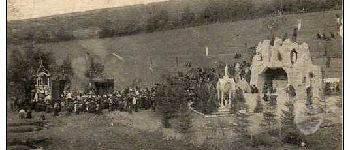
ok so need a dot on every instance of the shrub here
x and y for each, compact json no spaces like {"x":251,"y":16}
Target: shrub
{"x":185,"y":119}
{"x":265,"y":139}
{"x":259,"y":106}
{"x":292,"y":136}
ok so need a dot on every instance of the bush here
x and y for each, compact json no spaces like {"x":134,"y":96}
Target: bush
{"x":266,"y":140}
{"x":259,"y":106}
{"x":292,"y":136}
{"x":238,"y":102}
{"x":185,"y":119}
{"x":166,"y":120}
{"x":170,"y":97}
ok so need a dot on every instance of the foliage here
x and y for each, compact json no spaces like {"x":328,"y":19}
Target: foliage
{"x":238,"y":101}
{"x":22,"y":68}
{"x":290,"y":133}
{"x":95,"y":69}
{"x":265,"y":139}
{"x":66,"y":70}
{"x":158,"y":21}
{"x":292,"y":136}
{"x":242,"y":125}
{"x":107,"y":29}
{"x":200,"y":83}
{"x":215,"y":11}
{"x":325,"y":138}
{"x":185,"y":119}
{"x":287,"y":119}
{"x":188,"y":17}
{"x":63,"y":34}
{"x":291,"y":92}
{"x":205,"y":100}
{"x":269,"y":122}
{"x":259,"y":106}
{"x":170,"y":97}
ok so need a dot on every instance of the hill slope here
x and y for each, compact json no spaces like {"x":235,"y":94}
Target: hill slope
{"x":173,"y":14}
{"x":223,"y":39}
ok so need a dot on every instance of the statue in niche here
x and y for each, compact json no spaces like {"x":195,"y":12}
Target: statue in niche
{"x":293,"y":56}
{"x":259,"y":56}
{"x":279,"y":56}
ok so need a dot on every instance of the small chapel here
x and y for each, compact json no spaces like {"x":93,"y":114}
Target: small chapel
{"x":43,"y":84}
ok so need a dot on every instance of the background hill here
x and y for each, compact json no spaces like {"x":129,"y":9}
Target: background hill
{"x":169,"y":50}
{"x":168,"y":15}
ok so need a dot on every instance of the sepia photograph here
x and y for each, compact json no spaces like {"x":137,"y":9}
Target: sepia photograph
{"x":174,"y":75}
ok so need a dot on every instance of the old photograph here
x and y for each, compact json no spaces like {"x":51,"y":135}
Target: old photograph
{"x":174,"y":75}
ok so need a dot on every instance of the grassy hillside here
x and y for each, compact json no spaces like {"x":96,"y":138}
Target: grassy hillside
{"x":167,"y":15}
{"x":223,"y":39}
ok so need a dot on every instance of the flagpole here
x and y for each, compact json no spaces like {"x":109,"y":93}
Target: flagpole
{"x":151,"y":70}
{"x":207,"y":51}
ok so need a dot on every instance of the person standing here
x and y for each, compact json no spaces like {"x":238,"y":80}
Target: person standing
{"x":76,"y":107}
{"x":69,"y":96}
{"x":56,"y":109}
{"x":134,"y":103}
{"x":29,"y":113}
{"x":48,"y":103}
{"x":22,"y":114}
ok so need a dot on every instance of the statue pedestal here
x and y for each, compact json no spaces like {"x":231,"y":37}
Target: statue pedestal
{"x":222,"y":111}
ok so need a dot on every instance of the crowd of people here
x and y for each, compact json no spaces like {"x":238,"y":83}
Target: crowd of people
{"x":130,"y":99}
{"x":127,"y":100}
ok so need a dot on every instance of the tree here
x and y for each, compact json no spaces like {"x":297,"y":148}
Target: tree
{"x":107,"y":30}
{"x":170,"y":98}
{"x":259,"y":106}
{"x":158,"y":21}
{"x":188,"y":17}
{"x":269,"y":122}
{"x":238,"y":102}
{"x":291,"y":92}
{"x":242,"y":127}
{"x":205,"y":100}
{"x":65,"y":70}
{"x":95,"y":68}
{"x":22,"y":68}
{"x":185,"y":118}
{"x":287,"y":119}
{"x":63,"y":34}
{"x":16,"y":75}
{"x":290,"y":133}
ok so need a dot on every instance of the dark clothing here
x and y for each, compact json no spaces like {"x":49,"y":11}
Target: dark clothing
{"x":29,"y":114}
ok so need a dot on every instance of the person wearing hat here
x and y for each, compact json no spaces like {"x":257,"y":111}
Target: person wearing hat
{"x":134,"y":102}
{"x":56,"y":109}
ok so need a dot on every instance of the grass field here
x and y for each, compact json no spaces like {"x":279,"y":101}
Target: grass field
{"x":90,"y":131}
{"x":143,"y":130}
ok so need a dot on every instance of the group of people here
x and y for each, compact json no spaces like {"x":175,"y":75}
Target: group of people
{"x":128,"y":100}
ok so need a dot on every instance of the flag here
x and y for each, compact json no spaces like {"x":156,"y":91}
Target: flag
{"x":206,"y":51}
{"x":299,"y":24}
{"x":119,"y":57}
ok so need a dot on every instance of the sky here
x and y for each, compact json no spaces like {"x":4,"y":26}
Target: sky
{"x":25,"y":9}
